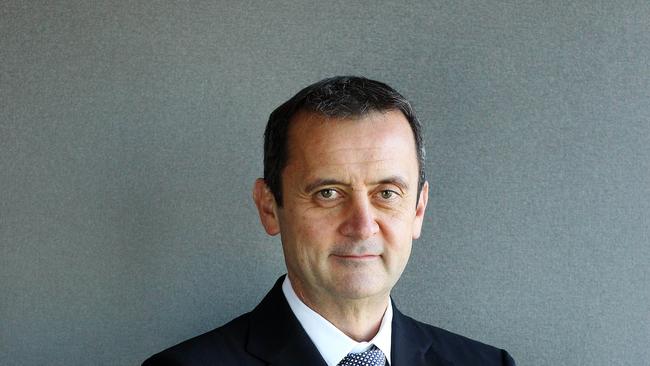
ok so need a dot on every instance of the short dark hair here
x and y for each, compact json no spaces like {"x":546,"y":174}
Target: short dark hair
{"x":338,"y":97}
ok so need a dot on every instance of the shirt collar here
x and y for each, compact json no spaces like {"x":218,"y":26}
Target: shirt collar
{"x":333,"y":344}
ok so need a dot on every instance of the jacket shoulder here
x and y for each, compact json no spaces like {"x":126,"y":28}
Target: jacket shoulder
{"x":458,"y":349}
{"x":221,"y":346}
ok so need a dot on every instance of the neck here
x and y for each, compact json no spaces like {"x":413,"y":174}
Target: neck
{"x":359,"y":319}
{"x":360,"y":322}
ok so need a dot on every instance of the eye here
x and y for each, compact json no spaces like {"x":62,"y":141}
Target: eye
{"x":387,"y":194}
{"x":327,"y":194}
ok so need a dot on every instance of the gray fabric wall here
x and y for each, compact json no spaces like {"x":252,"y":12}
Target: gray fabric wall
{"x":131,"y":135}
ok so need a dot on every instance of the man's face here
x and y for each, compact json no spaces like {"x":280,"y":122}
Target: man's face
{"x":349,"y":209}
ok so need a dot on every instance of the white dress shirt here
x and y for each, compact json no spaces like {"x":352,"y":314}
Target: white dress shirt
{"x":333,"y":344}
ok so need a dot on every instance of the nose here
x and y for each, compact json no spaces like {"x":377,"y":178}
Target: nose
{"x":360,"y":222}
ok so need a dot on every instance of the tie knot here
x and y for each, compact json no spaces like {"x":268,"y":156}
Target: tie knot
{"x":372,"y":357}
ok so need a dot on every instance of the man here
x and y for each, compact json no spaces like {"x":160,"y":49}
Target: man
{"x":344,"y":186}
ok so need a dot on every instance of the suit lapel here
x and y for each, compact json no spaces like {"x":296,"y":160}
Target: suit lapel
{"x":411,"y":346}
{"x":276,"y":336}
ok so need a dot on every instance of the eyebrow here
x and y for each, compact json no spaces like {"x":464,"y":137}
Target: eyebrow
{"x":395,"y":179}
{"x":322,"y":182}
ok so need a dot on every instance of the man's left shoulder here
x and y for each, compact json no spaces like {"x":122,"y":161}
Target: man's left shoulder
{"x":455,"y":348}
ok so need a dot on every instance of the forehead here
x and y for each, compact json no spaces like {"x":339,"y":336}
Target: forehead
{"x":374,"y":140}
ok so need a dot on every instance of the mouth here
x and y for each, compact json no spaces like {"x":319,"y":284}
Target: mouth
{"x":357,"y":257}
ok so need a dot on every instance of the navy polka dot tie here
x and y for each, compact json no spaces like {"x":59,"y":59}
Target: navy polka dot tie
{"x":372,"y":357}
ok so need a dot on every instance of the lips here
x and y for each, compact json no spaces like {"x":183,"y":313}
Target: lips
{"x":357,"y":256}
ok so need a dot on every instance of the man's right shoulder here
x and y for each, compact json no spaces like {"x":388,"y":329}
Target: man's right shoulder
{"x":225,"y":345}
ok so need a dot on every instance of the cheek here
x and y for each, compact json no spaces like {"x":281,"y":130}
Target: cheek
{"x":310,"y":235}
{"x":398,"y":241}
{"x":317,"y":224}
{"x":397,"y":228}
{"x":305,"y":228}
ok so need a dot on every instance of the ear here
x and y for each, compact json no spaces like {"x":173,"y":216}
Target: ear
{"x":266,"y":207}
{"x":419,"y":210}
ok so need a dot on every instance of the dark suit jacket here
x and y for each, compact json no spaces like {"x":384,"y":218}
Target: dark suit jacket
{"x":271,"y":335}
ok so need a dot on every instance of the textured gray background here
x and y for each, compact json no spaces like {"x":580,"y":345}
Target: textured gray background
{"x":131,"y":135}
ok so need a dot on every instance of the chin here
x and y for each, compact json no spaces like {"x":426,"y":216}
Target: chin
{"x":360,"y":287}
